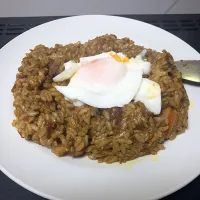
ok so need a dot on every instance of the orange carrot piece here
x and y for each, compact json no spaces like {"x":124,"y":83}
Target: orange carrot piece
{"x":170,"y":117}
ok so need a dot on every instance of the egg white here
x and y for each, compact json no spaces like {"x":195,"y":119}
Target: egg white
{"x":149,"y":94}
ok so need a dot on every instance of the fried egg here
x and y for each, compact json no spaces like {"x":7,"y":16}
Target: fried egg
{"x":103,"y":83}
{"x":105,"y":80}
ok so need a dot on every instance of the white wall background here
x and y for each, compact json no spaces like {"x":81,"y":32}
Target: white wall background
{"x":17,"y":8}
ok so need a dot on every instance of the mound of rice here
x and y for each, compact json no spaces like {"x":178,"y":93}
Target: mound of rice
{"x":107,"y":135}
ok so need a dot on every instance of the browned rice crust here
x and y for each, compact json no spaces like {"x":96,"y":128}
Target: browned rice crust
{"x":107,"y":135}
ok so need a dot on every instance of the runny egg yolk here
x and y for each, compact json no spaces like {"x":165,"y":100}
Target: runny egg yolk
{"x":119,"y":58}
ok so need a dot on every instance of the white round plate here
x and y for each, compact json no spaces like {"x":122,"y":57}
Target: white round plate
{"x":38,"y":170}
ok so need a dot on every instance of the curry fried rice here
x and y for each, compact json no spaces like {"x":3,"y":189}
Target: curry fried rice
{"x":107,"y":135}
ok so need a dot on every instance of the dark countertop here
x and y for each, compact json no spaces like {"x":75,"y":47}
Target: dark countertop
{"x":186,"y":27}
